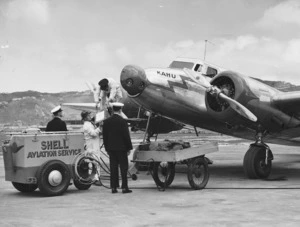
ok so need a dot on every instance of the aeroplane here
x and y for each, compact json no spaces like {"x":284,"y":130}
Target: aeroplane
{"x":222,"y":101}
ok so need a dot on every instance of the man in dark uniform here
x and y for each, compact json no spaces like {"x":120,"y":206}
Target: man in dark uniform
{"x":117,"y":143}
{"x":56,"y":124}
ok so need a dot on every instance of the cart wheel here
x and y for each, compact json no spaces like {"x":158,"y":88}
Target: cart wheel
{"x":163,"y":173}
{"x":53,"y":178}
{"x":197,"y":173}
{"x":134,"y":177}
{"x":24,"y":187}
{"x":81,"y":186}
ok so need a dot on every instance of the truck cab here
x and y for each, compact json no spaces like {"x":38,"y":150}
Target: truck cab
{"x":205,"y":68}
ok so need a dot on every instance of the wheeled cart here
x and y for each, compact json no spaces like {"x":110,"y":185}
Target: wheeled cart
{"x":44,"y":161}
{"x":162,"y":163}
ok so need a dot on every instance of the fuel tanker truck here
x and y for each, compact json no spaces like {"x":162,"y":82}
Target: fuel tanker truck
{"x":48,"y":161}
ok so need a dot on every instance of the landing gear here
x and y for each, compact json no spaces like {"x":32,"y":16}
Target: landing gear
{"x":148,"y":132}
{"x":258,"y":160}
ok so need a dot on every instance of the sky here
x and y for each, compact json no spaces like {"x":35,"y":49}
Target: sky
{"x":58,"y":45}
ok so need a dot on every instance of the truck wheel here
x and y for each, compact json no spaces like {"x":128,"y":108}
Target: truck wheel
{"x":197,"y":173}
{"x":163,"y":173}
{"x":81,"y":186}
{"x":24,"y":187}
{"x":53,"y":178}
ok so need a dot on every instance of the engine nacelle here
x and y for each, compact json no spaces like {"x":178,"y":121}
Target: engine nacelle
{"x":234,"y":86}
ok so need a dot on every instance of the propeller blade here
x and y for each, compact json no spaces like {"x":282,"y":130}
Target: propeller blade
{"x":239,"y":108}
{"x":197,"y":78}
{"x":91,"y":86}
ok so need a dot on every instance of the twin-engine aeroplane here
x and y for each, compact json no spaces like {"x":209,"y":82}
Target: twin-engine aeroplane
{"x":227,"y":102}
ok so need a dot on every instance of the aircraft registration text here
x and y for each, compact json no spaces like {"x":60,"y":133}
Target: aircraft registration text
{"x":170,"y":75}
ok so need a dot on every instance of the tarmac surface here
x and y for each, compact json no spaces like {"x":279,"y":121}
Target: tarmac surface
{"x":229,"y":199}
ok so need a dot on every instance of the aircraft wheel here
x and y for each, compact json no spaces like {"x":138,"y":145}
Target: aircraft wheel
{"x":24,"y":187}
{"x":163,"y":173}
{"x":81,"y":186}
{"x":255,"y":166}
{"x":197,"y":173}
{"x":53,"y":178}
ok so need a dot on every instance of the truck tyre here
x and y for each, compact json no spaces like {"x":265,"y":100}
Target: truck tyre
{"x":53,"y":178}
{"x":24,"y":187}
{"x":81,"y":186}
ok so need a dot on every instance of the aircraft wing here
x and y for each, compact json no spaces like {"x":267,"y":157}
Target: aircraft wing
{"x":134,"y":120}
{"x":288,"y":102}
{"x":81,"y":106}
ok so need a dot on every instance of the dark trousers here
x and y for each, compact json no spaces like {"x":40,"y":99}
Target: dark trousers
{"x":117,"y":158}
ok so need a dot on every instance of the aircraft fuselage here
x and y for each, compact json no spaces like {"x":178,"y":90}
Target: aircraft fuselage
{"x":173,"y":94}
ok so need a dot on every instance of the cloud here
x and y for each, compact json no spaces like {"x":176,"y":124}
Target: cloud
{"x":287,"y":12}
{"x":49,"y":41}
{"x":292,"y":51}
{"x":97,"y":60}
{"x":161,"y":56}
{"x":262,"y":57}
{"x":184,"y":44}
{"x":36,"y":11}
{"x":4,"y":46}
{"x":96,"y":52}
{"x":123,"y":54}
{"x":241,"y":43}
{"x":265,"y":58}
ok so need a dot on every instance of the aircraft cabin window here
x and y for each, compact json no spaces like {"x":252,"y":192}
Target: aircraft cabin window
{"x":198,"y":68}
{"x":211,"y":72}
{"x":181,"y":65}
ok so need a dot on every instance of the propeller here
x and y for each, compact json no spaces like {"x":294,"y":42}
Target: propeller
{"x":93,"y":89}
{"x":215,"y":91}
{"x":91,"y":86}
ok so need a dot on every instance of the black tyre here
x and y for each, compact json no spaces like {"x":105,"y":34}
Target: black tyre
{"x":197,"y":173}
{"x":81,"y":186}
{"x":255,"y":165}
{"x":53,"y":186}
{"x":134,"y":177}
{"x":24,"y":187}
{"x":163,"y":173}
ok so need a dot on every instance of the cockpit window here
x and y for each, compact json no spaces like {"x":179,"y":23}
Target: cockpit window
{"x":198,"y":68}
{"x":181,"y":65}
{"x":211,"y":72}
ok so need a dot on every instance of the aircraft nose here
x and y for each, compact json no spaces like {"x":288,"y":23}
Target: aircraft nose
{"x":133,"y":79}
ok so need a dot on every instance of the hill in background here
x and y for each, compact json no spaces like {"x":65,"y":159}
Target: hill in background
{"x":280,"y":85}
{"x":34,"y":108}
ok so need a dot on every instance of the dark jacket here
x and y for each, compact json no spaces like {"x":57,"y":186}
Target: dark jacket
{"x":56,"y":124}
{"x":116,"y":135}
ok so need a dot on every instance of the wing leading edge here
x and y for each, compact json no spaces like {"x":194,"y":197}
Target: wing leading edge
{"x":288,"y":102}
{"x":81,"y":106}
